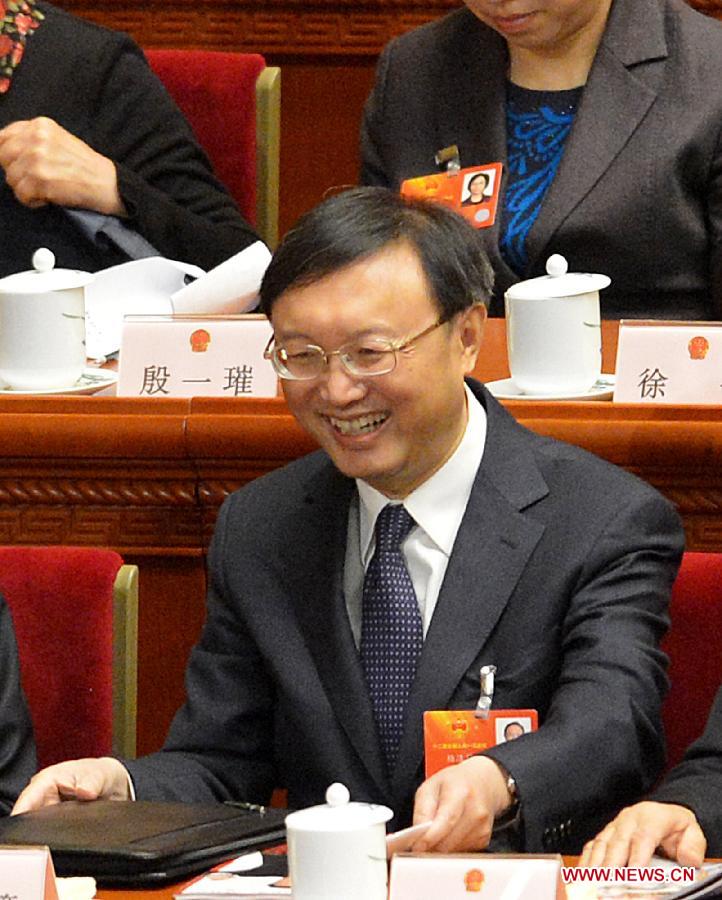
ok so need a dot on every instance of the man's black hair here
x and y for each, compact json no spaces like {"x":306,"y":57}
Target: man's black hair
{"x":363,"y":221}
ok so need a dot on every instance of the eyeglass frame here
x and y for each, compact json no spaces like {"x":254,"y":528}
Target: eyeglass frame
{"x":394,"y":348}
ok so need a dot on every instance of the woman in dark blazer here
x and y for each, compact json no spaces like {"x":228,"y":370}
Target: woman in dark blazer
{"x":607,"y":116}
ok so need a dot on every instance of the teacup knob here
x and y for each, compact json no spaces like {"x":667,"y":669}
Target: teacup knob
{"x":337,"y":794}
{"x":43,"y":259}
{"x":557,"y":265}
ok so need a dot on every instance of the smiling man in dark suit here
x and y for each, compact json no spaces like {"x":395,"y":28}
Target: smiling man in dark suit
{"x":523,"y":553}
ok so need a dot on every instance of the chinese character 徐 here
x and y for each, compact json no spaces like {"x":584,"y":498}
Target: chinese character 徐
{"x":652,"y":384}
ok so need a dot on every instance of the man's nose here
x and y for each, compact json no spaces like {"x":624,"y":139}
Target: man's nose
{"x":338,"y":386}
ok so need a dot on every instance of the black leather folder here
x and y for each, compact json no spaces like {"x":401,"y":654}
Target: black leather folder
{"x":143,"y":843}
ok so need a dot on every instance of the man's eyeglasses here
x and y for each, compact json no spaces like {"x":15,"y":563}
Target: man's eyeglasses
{"x":376,"y":356}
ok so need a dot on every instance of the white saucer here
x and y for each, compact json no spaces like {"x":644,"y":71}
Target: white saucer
{"x":505,"y":389}
{"x":90,"y":382}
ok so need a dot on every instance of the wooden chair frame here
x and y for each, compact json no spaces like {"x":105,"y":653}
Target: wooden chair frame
{"x":125,"y":661}
{"x":268,"y":141}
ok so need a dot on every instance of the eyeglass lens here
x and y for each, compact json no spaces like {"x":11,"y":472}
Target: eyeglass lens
{"x":372,"y":358}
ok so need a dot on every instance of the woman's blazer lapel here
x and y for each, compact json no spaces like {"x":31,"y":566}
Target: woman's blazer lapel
{"x":470,"y":108}
{"x":622,"y":86}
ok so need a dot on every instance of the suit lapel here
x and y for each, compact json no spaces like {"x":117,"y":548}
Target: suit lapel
{"x":492,"y":548}
{"x":617,"y":96}
{"x":470,"y":94}
{"x":323,"y":619}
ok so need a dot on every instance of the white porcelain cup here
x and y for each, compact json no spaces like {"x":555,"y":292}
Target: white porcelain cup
{"x":42,"y":326}
{"x":553,"y":331}
{"x":337,"y":851}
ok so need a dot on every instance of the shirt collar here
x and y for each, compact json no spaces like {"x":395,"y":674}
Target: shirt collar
{"x":437,"y":505}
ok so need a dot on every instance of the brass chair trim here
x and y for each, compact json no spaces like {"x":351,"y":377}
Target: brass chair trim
{"x":268,"y":141}
{"x":125,"y":661}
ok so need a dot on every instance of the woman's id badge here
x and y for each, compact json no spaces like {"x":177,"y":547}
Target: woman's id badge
{"x":472,"y":192}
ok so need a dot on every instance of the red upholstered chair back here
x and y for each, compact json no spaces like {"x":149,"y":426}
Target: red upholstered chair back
{"x":216,"y":91}
{"x":694,"y":645}
{"x":61,"y":600}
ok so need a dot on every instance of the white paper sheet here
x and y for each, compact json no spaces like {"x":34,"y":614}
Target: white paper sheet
{"x":157,"y":286}
{"x":232,"y":287}
{"x":76,"y":888}
{"x":234,"y":886}
{"x":141,"y":286}
{"x":237,"y":885}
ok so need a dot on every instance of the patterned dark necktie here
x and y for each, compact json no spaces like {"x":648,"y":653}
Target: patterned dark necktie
{"x":391,"y":629}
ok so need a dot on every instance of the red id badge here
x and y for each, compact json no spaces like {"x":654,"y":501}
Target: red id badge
{"x":452,"y":735}
{"x":472,"y":192}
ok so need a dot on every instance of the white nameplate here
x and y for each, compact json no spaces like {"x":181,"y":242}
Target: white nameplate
{"x":195,"y":356}
{"x":27,"y":873}
{"x":430,"y":876}
{"x":669,"y":362}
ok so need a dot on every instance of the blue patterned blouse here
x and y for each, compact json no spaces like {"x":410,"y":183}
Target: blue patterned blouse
{"x":537,"y":126}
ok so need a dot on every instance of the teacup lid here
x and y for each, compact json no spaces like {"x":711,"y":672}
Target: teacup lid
{"x":44,"y":277}
{"x":338,"y":814}
{"x":558,"y":282}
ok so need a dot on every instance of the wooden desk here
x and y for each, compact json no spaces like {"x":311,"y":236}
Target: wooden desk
{"x":146,"y":477}
{"x":127,"y":894}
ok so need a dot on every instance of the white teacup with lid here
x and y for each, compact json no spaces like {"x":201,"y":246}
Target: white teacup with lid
{"x":553,"y":330}
{"x":42,"y":326}
{"x":337,"y":851}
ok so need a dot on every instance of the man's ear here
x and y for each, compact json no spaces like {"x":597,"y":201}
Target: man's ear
{"x":471,"y":333}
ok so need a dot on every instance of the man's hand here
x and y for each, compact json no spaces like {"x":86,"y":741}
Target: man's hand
{"x":44,"y":163}
{"x":461,"y":802}
{"x":78,"y":779}
{"x":638,"y":830}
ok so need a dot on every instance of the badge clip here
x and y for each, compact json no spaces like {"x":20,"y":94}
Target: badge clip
{"x":450,"y":159}
{"x":486,"y":693}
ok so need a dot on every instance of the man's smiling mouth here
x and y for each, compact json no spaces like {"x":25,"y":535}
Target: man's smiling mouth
{"x":359,"y":425}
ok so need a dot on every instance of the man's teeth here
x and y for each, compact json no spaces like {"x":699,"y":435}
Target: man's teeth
{"x":358,"y":426}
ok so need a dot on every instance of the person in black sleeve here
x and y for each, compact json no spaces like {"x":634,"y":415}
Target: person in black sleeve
{"x":85,"y":126}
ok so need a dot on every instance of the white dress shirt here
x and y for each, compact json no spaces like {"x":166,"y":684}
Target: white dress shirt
{"x":437,"y":506}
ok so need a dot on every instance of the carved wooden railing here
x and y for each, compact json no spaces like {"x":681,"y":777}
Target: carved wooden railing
{"x":294,"y":27}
